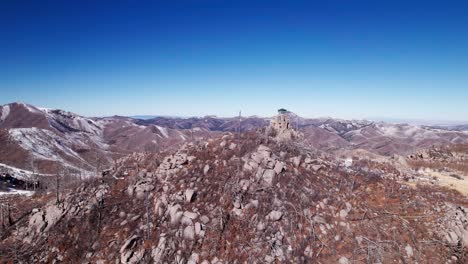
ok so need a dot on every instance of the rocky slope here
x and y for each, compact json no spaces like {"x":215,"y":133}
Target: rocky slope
{"x":247,"y":200}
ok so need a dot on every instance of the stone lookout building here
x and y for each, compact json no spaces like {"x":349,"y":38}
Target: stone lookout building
{"x":281,"y":122}
{"x":281,"y":125}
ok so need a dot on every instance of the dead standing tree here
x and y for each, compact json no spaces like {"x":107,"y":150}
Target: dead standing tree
{"x":57,"y":188}
{"x":98,"y":164}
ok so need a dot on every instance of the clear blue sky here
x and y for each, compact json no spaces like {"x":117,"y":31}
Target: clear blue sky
{"x":349,"y":59}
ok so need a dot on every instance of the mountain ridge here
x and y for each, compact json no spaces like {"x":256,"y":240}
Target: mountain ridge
{"x":60,"y":137}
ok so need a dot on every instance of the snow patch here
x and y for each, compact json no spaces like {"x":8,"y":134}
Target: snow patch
{"x":18,"y":173}
{"x":44,"y":144}
{"x":5,"y":113}
{"x":348,"y":162}
{"x":163,"y":131}
{"x":45,"y":110}
{"x":16,"y":192}
{"x":30,"y":108}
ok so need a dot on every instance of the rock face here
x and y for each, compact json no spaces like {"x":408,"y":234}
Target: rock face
{"x":455,"y":231}
{"x":189,"y":194}
{"x":140,"y":188}
{"x":173,"y":163}
{"x":129,"y":252}
{"x":275,"y":216}
{"x":43,"y":220}
{"x":264,"y":165}
{"x":432,"y":153}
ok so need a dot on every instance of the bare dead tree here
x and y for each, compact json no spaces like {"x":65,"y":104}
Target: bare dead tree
{"x":147,"y":203}
{"x":57,"y":186}
{"x":10,"y":220}
{"x":2,"y":217}
{"x":191,"y":133}
{"x":98,"y":164}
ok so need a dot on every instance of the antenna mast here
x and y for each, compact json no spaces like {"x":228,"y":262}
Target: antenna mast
{"x":240,"y":119}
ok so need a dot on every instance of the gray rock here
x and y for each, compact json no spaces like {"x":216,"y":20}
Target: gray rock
{"x":409,"y":251}
{"x":308,"y":252}
{"x":191,"y":215}
{"x":269,"y":259}
{"x":257,"y":158}
{"x":296,"y":161}
{"x":343,"y":260}
{"x":189,"y":232}
{"x":206,"y":169}
{"x":269,"y":163}
{"x":268,"y":176}
{"x":157,"y":253}
{"x":275,"y":215}
{"x":319,"y":220}
{"x":175,"y":213}
{"x":128,"y":252}
{"x":317,"y":167}
{"x":186,"y":221}
{"x":193,"y":259}
{"x":343,"y":214}
{"x":198,"y":228}
{"x":232,"y":146}
{"x":53,"y":214}
{"x":189,"y":195}
{"x":205,"y":220}
{"x":279,"y":167}
{"x":260,"y":226}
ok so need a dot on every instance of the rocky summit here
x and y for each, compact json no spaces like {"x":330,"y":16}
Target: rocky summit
{"x":252,"y":197}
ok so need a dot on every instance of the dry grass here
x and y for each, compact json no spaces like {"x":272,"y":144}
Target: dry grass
{"x":452,"y":182}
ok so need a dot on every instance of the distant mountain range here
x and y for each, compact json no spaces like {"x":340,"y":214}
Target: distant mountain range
{"x":39,"y":139}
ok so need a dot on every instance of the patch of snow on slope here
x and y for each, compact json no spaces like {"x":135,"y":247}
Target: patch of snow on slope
{"x":45,"y":110}
{"x":163,"y":131}
{"x":16,"y":192}
{"x":30,"y":108}
{"x":74,"y":121}
{"x":5,"y":113}
{"x":389,"y":130}
{"x":413,"y":130}
{"x":42,"y":143}
{"x":87,"y":125}
{"x":18,"y":173}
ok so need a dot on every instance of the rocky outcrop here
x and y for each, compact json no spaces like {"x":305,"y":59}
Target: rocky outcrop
{"x":433,"y":153}
{"x":455,"y":225}
{"x":264,"y":165}
{"x":129,"y":252}
{"x":42,"y":220}
{"x":140,"y":188}
{"x":173,"y":163}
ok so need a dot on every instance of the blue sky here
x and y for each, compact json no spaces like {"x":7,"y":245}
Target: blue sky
{"x":348,"y":59}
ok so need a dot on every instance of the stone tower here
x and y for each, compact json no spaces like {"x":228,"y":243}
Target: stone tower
{"x":281,"y":125}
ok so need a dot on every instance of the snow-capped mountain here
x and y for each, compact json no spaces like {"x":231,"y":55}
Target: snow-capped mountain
{"x":44,"y":138}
